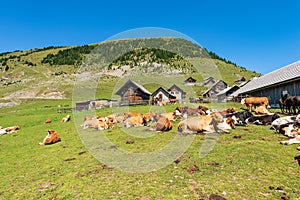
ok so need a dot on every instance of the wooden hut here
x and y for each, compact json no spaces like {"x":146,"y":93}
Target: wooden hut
{"x":215,"y":89}
{"x":162,"y":95}
{"x":133,"y":93}
{"x":178,"y":93}
{"x":190,"y":81}
{"x":208,"y":82}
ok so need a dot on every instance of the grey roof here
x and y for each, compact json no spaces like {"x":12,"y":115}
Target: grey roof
{"x":134,"y":83}
{"x":163,"y":91}
{"x":212,"y":87}
{"x":283,"y":74}
{"x":141,"y":87}
{"x":226,"y":90}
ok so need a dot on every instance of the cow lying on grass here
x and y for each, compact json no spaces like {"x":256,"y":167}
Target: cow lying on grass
{"x":240,"y":117}
{"x":262,"y":120}
{"x":9,"y":129}
{"x":208,"y":123}
{"x":262,"y":110}
{"x":98,"y":123}
{"x":290,"y":127}
{"x":162,"y":123}
{"x":51,"y":138}
{"x":135,"y":121}
{"x":66,"y":119}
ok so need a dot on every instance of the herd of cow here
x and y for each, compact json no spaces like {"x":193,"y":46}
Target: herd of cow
{"x":192,"y":120}
{"x":201,"y":119}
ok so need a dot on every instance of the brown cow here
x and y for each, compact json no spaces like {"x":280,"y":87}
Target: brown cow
{"x":170,"y":115}
{"x":51,"y":138}
{"x":47,"y":121}
{"x":135,"y":121}
{"x":162,"y":124}
{"x":251,"y":102}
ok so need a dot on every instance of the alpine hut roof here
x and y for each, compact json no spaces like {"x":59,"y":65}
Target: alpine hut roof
{"x":174,"y":86}
{"x":160,"y":89}
{"x":128,"y":84}
{"x":284,"y":74}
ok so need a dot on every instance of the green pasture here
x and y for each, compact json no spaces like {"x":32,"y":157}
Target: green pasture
{"x":247,"y":163}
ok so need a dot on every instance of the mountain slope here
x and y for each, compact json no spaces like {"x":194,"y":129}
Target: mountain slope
{"x":50,"y":72}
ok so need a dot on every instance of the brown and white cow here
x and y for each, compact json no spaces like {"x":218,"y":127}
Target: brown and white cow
{"x":66,"y":119}
{"x":51,"y":138}
{"x":135,"y":121}
{"x":9,"y":129}
{"x":251,"y":102}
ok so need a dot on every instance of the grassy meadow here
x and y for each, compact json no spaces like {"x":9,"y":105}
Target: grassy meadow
{"x":247,"y":163}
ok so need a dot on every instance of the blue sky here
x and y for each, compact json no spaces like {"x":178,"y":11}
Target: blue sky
{"x":259,"y":35}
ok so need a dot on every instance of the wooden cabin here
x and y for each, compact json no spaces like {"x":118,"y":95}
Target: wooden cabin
{"x":212,"y":92}
{"x":178,"y":93}
{"x":208,"y":82}
{"x":162,"y":95}
{"x":190,"y":81}
{"x":133,"y":93}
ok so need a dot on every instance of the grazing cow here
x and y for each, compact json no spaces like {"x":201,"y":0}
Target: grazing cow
{"x":261,"y":110}
{"x":240,"y":117}
{"x":47,"y":121}
{"x":251,"y":102}
{"x":162,"y":124}
{"x":199,"y":124}
{"x":135,"y":121}
{"x":51,"y":138}
{"x":66,"y":119}
{"x":262,"y":120}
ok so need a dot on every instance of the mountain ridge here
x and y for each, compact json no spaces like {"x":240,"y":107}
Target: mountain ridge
{"x":50,"y":72}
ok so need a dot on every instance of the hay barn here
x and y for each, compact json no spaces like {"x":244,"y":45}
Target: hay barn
{"x":274,"y":84}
